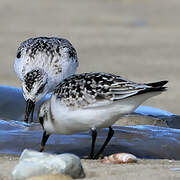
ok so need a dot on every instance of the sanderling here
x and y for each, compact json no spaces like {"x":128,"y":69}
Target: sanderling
{"x":41,"y":64}
{"x":91,"y":101}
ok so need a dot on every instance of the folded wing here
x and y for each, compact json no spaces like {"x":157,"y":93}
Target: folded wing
{"x":87,"y":89}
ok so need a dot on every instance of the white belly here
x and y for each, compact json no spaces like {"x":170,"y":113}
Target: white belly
{"x":72,"y":121}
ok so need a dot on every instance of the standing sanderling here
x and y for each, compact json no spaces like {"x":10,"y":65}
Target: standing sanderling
{"x":90,"y":101}
{"x":41,"y":64}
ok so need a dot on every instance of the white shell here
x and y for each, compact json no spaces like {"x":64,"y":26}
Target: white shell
{"x":119,"y":158}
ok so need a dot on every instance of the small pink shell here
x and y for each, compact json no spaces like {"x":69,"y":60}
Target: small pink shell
{"x":119,"y":158}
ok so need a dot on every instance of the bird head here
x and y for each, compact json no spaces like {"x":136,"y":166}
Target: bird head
{"x":35,"y":87}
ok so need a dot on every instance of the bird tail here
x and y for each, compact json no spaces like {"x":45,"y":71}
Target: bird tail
{"x":158,"y":84}
{"x":155,"y":87}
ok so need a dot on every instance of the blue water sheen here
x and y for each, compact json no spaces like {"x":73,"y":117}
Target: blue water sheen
{"x":12,"y":103}
{"x":144,"y":141}
{"x":151,"y":111}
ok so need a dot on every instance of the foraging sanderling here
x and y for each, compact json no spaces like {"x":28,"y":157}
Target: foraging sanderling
{"x":91,"y":101}
{"x":41,"y":64}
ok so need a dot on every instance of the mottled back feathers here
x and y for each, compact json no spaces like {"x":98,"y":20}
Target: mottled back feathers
{"x":88,"y":88}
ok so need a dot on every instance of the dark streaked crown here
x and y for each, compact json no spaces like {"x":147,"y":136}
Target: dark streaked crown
{"x":48,"y":45}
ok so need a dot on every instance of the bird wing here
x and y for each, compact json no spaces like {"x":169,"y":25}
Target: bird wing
{"x":83,"y":90}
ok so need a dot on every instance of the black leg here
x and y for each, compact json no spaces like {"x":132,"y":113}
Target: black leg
{"x":44,"y":140}
{"x":94,"y":135}
{"x":110,"y":134}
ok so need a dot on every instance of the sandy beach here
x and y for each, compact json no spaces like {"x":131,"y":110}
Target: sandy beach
{"x":137,"y":39}
{"x":143,"y":169}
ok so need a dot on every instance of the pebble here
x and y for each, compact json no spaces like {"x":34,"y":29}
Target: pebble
{"x":33,"y":163}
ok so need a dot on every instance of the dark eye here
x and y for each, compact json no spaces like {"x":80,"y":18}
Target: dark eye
{"x":41,"y":120}
{"x":18,"y":55}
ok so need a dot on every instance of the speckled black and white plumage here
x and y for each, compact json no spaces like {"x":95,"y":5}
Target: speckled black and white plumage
{"x":31,"y":77}
{"x":91,"y":101}
{"x":41,"y":51}
{"x":42,"y":63}
{"x":83,"y":89}
{"x":48,"y":45}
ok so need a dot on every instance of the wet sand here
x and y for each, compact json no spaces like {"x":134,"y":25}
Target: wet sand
{"x":137,"y":39}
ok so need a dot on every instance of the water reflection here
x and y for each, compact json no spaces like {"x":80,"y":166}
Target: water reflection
{"x":143,"y":141}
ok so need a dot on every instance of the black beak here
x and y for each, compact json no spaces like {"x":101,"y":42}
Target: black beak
{"x":29,"y":108}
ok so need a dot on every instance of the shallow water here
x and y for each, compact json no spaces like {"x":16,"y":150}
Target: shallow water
{"x":144,"y":141}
